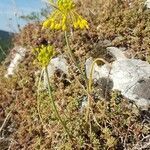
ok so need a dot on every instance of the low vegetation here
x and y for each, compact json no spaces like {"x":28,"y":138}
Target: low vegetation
{"x":28,"y":119}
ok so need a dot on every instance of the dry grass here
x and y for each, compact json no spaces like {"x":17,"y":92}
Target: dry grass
{"x":114,"y":123}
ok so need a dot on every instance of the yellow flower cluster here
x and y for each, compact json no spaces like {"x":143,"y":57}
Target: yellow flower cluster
{"x":65,"y":17}
{"x":44,"y":54}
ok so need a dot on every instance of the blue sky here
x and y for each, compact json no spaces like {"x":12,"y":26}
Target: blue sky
{"x":10,"y":9}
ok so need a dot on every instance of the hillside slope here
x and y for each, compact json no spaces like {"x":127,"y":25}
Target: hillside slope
{"x":5,"y":43}
{"x":114,"y":123}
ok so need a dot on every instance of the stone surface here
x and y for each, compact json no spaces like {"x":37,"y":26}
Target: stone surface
{"x":147,"y":3}
{"x":130,"y":76}
{"x":58,"y":63}
{"x":17,"y":58}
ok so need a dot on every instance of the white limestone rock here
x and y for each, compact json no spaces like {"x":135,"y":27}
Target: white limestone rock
{"x":58,"y":63}
{"x":130,"y":76}
{"x":147,"y":3}
{"x":17,"y":58}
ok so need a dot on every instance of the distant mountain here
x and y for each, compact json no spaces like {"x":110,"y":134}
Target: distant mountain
{"x":5,"y":43}
{"x":5,"y":34}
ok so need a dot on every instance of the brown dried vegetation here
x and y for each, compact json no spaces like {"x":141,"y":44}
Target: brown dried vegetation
{"x":114,"y":123}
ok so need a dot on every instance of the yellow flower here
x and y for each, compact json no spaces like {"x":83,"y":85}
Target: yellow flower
{"x":65,"y":17}
{"x":44,"y":54}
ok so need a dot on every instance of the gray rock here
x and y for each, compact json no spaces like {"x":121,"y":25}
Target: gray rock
{"x":58,"y":63}
{"x":130,"y":76}
{"x":147,"y":3}
{"x":17,"y":58}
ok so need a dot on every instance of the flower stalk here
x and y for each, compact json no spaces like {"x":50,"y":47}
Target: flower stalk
{"x":73,"y":57}
{"x":52,"y":101}
{"x":44,"y":55}
{"x":90,"y":84}
{"x":65,"y":18}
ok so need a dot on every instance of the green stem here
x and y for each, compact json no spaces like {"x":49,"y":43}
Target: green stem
{"x":92,"y":70}
{"x":83,"y":75}
{"x":74,"y":60}
{"x":38,"y":97}
{"x":90,"y":84}
{"x":54,"y":105}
